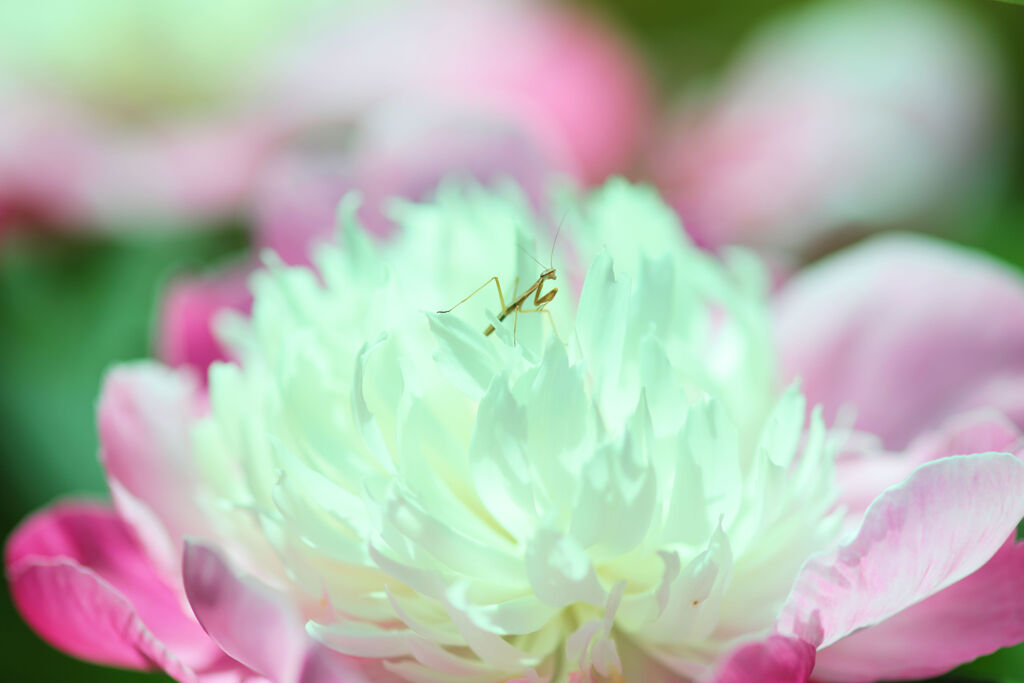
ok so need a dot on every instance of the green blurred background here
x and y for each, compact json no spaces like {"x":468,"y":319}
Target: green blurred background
{"x":71,"y":306}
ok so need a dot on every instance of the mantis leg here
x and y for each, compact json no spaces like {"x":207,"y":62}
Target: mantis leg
{"x":497,"y":284}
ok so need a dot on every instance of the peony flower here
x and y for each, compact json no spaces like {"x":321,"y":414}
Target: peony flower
{"x":614,"y":491}
{"x":115,"y":116}
{"x":811,"y":134}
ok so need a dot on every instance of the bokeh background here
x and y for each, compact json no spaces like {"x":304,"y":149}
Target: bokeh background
{"x":83,"y":288}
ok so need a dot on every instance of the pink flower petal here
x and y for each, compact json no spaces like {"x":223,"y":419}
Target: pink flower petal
{"x":776,"y":659}
{"x":186,"y":333}
{"x":864,"y":473}
{"x":973,"y":617}
{"x":144,"y":418}
{"x":83,"y":583}
{"x":258,"y":626}
{"x":78,"y":612}
{"x":145,"y":414}
{"x":940,"y":525}
{"x":924,"y":331}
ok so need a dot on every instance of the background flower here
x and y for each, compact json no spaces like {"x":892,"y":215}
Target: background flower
{"x":107,"y":127}
{"x":809,"y":134}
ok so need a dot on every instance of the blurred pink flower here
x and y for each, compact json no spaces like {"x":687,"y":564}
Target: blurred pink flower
{"x":848,"y":115}
{"x":563,"y":81}
{"x":64,"y":165}
{"x":557,"y":75}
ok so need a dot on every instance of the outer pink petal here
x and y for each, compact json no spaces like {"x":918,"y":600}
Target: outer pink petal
{"x":940,"y":525}
{"x":82,"y":582}
{"x":776,"y":659}
{"x":863,"y":473}
{"x":924,"y":331}
{"x":186,"y":337}
{"x":145,"y":415}
{"x":78,"y":612}
{"x":973,"y":617}
{"x":257,"y":625}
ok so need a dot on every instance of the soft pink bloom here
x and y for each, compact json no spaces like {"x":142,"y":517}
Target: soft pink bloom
{"x":561,"y":80}
{"x":931,"y":576}
{"x":849,"y":115}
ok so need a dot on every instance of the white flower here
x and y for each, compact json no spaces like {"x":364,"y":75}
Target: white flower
{"x":478,"y":508}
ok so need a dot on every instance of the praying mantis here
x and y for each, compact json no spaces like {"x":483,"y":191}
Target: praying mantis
{"x":540,"y":297}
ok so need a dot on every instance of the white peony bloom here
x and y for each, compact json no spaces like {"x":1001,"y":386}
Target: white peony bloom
{"x":618,"y":478}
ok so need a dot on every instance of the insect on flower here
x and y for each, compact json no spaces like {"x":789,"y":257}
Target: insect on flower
{"x":540,"y":298}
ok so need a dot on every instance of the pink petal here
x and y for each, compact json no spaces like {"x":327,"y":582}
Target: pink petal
{"x":145,"y":416}
{"x":186,"y":333}
{"x":973,"y":617}
{"x":924,"y":331}
{"x":863,"y":473}
{"x":776,"y":659}
{"x":78,"y":612}
{"x":80,"y":580}
{"x":257,"y":625}
{"x":940,"y":525}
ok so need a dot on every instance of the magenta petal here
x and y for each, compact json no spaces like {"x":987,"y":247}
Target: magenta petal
{"x":940,"y":525}
{"x":973,"y":617}
{"x":186,"y":335}
{"x":83,"y":583}
{"x":924,"y":331}
{"x":257,"y":625}
{"x":776,"y":659}
{"x":76,"y":611}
